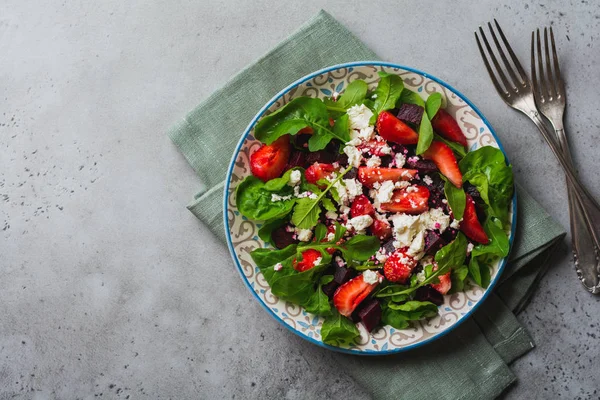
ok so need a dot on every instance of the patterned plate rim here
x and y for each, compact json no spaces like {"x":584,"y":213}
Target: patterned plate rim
{"x":438,"y":335}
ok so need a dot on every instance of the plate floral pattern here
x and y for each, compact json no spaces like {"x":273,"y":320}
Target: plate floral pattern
{"x":242,"y":234}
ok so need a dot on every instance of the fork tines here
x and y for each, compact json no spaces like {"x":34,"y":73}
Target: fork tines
{"x":550,"y":83}
{"x":518,"y":78}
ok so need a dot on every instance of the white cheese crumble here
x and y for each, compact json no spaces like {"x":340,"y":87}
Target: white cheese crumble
{"x":360,"y":223}
{"x":331,"y":215}
{"x":359,"y":116}
{"x":417,"y":246}
{"x":295,"y":178}
{"x":470,"y":247}
{"x":455,"y":224}
{"x":370,"y":277}
{"x":421,"y":276}
{"x":385,"y":149}
{"x":339,"y":261}
{"x":411,"y":189}
{"x":330,"y":236}
{"x":341,"y":192}
{"x":367,"y":133}
{"x":427,"y":179}
{"x":400,"y":160}
{"x":435,"y":219}
{"x":317,"y":261}
{"x":278,"y":267}
{"x":381,"y":255}
{"x":353,"y":188}
{"x":354,"y":155}
{"x":310,"y":195}
{"x":275,"y":197}
{"x":385,"y":192}
{"x":374,"y":161}
{"x":402,"y":184}
{"x":304,"y":235}
{"x":344,"y":210}
{"x":406,"y":228}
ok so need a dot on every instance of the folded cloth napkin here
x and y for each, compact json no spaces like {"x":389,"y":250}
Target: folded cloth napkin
{"x":468,"y":363}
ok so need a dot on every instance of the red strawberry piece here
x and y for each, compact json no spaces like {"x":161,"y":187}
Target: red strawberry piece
{"x":269,"y":161}
{"x":309,"y":257}
{"x":381,"y":229}
{"x":318,"y":171}
{"x":444,"y":159}
{"x":369,"y":175}
{"x":411,"y":200}
{"x":348,"y":296}
{"x":399,"y":266}
{"x":305,"y":131}
{"x":470,"y":225}
{"x":446,"y":126}
{"x":375,"y":147}
{"x":445,"y":283}
{"x":361,"y":206}
{"x":392,"y":129}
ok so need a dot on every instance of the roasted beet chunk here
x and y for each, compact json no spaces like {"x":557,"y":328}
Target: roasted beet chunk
{"x":329,"y":289}
{"x":370,"y":314}
{"x":472,"y":191}
{"x":427,"y":293}
{"x":282,"y":238}
{"x":424,"y":166}
{"x":411,"y":113}
{"x":351,"y":174}
{"x":450,"y":234}
{"x":297,"y":159}
{"x":433,"y":242}
{"x":343,"y":275}
{"x":389,"y":246}
{"x":321,"y":156}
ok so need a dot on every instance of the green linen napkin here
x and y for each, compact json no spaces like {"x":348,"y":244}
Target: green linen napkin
{"x":468,"y":363}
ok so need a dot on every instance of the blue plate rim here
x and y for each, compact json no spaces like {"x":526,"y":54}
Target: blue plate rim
{"x":226,"y":202}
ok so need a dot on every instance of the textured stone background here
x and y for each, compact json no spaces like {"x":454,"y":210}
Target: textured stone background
{"x":110,"y":287}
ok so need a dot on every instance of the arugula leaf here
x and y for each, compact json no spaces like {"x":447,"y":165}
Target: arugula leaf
{"x":268,"y":227}
{"x":320,"y":232}
{"x":398,"y":315}
{"x":452,"y":255}
{"x":458,"y":277}
{"x":433,"y":104}
{"x":458,"y":149}
{"x":354,"y":94}
{"x":475,"y":271}
{"x":394,"y":318}
{"x":499,"y":244}
{"x":360,"y":247}
{"x":307,"y":210}
{"x":410,"y":97}
{"x":388,"y":92}
{"x":457,"y":199}
{"x":318,"y":303}
{"x":425,"y":135}
{"x":490,"y":162}
{"x":390,"y":291}
{"x":339,"y":232}
{"x":296,"y":115}
{"x":265,"y":258}
{"x":328,"y":204}
{"x":253,"y":200}
{"x":337,"y":328}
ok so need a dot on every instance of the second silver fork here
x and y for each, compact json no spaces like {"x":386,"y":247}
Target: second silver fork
{"x":550,"y":96}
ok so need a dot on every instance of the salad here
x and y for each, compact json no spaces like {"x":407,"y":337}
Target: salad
{"x":373,"y":207}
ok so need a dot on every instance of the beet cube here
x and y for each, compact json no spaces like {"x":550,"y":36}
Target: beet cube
{"x":351,"y":174}
{"x":450,"y":234}
{"x":389,"y":246}
{"x":297,"y":159}
{"x":370,"y":314}
{"x":343,"y":275}
{"x":472,"y":191}
{"x":424,"y":166}
{"x":321,"y":156}
{"x":433,"y":242}
{"x":282,"y":238}
{"x":427,"y":293}
{"x":330,"y":288}
{"x":411,"y":113}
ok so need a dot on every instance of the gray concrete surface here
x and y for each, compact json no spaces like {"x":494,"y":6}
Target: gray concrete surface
{"x":104,"y":285}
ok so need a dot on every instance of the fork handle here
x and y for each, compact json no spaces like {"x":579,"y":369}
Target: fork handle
{"x":585,"y":248}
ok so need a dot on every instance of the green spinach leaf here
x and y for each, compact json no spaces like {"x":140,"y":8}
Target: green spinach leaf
{"x":425,"y":135}
{"x":388,"y":92}
{"x":458,"y":277}
{"x":457,"y":199}
{"x":338,"y":329}
{"x":268,"y":227}
{"x":360,"y":247}
{"x":452,"y":255}
{"x":499,"y":244}
{"x":458,"y":149}
{"x":318,"y":303}
{"x":433,"y":104}
{"x":253,"y":200}
{"x":410,"y":97}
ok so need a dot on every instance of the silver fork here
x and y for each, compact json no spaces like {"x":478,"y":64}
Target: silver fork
{"x":550,"y":96}
{"x":516,"y":91}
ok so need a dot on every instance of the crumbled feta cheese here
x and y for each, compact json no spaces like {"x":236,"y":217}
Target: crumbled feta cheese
{"x":435,"y":219}
{"x":417,"y":246}
{"x":295,"y":178}
{"x":341,"y":192}
{"x":275,"y":197}
{"x":400,"y":160}
{"x":353,"y":187}
{"x":455,"y":224}
{"x":308,"y":194}
{"x":331,"y":215}
{"x":421,"y":276}
{"x":413,"y":159}
{"x":374,"y":161}
{"x":411,"y":189}
{"x":402,"y":184}
{"x":374,"y":96}
{"x":344,"y":210}
{"x":330,"y":236}
{"x":370,"y":277}
{"x":381,"y":255}
{"x":359,"y":116}
{"x":406,"y":228}
{"x":367,"y":133}
{"x":304,"y":235}
{"x":278,"y":267}
{"x":317,"y":261}
{"x":385,"y":192}
{"x":335,"y":95}
{"x":427,"y":180}
{"x":360,"y":223}
{"x":470,"y":247}
{"x":296,"y":191}
{"x":425,"y":261}
{"x":385,"y":149}
{"x":340,"y":261}
{"x":354,"y":155}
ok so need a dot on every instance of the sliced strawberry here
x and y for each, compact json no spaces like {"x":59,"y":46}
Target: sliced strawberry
{"x":361,"y":206}
{"x":318,"y":171}
{"x":381,"y":229}
{"x":309,"y":257}
{"x":369,"y":175}
{"x":392,"y":129}
{"x":446,"y":126}
{"x":470,"y":225}
{"x":348,"y":296}
{"x":269,"y":161}
{"x":445,"y":283}
{"x":330,"y":229}
{"x":444,"y":159}
{"x":399,"y":266}
{"x":411,"y":200}
{"x":375,"y":147}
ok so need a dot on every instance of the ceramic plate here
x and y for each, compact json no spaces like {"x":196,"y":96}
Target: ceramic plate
{"x":242,"y":234}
